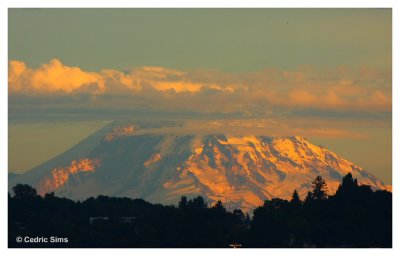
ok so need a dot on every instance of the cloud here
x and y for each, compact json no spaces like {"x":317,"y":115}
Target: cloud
{"x":52,"y":77}
{"x":264,"y":93}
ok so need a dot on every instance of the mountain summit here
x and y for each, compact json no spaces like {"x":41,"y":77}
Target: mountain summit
{"x":133,"y":160}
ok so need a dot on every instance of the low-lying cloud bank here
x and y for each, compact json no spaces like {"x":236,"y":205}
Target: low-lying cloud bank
{"x":57,"y":88}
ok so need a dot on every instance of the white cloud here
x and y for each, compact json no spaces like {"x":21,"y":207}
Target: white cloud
{"x":252,"y":93}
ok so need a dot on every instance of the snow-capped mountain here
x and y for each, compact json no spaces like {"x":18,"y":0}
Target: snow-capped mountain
{"x":130,"y":159}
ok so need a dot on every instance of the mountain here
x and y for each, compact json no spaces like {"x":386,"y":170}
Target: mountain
{"x":12,"y":175}
{"x":137,"y":160}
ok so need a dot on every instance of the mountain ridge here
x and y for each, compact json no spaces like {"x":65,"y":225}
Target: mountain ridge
{"x":241,"y":171}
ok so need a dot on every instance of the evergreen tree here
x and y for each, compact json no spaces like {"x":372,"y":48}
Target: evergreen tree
{"x":218,"y":209}
{"x":349,"y":185}
{"x":183,"y":202}
{"x":23,"y":191}
{"x":295,"y":201}
{"x":219,"y":206}
{"x":239,"y":215}
{"x":247,"y":219}
{"x":197,"y":202}
{"x":364,"y":221}
{"x":309,"y":198}
{"x":319,"y":189}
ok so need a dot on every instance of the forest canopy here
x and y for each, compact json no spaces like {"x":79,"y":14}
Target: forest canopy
{"x":355,"y":216}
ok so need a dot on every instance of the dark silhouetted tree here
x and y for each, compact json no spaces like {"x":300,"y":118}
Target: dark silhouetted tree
{"x":364,"y":221}
{"x":295,"y":201}
{"x":49,"y":195}
{"x":247,"y":219}
{"x":23,"y":191}
{"x":197,"y":202}
{"x":348,"y":188}
{"x":239,"y":215}
{"x":319,"y":188}
{"x":309,"y":199}
{"x":183,"y":202}
{"x":219,"y":207}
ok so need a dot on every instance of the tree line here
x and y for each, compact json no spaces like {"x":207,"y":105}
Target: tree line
{"x":355,"y":216}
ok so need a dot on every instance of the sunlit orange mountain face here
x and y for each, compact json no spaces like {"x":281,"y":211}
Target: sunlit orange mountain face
{"x":160,"y":162}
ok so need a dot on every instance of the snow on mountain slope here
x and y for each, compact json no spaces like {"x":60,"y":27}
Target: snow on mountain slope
{"x":241,"y":171}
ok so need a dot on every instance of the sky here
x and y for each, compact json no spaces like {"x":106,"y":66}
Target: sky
{"x":325,"y":74}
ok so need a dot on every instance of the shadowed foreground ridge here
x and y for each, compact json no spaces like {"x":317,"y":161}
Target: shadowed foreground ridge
{"x":355,"y":216}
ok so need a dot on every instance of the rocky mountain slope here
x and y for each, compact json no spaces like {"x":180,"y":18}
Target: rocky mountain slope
{"x":128,"y":159}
